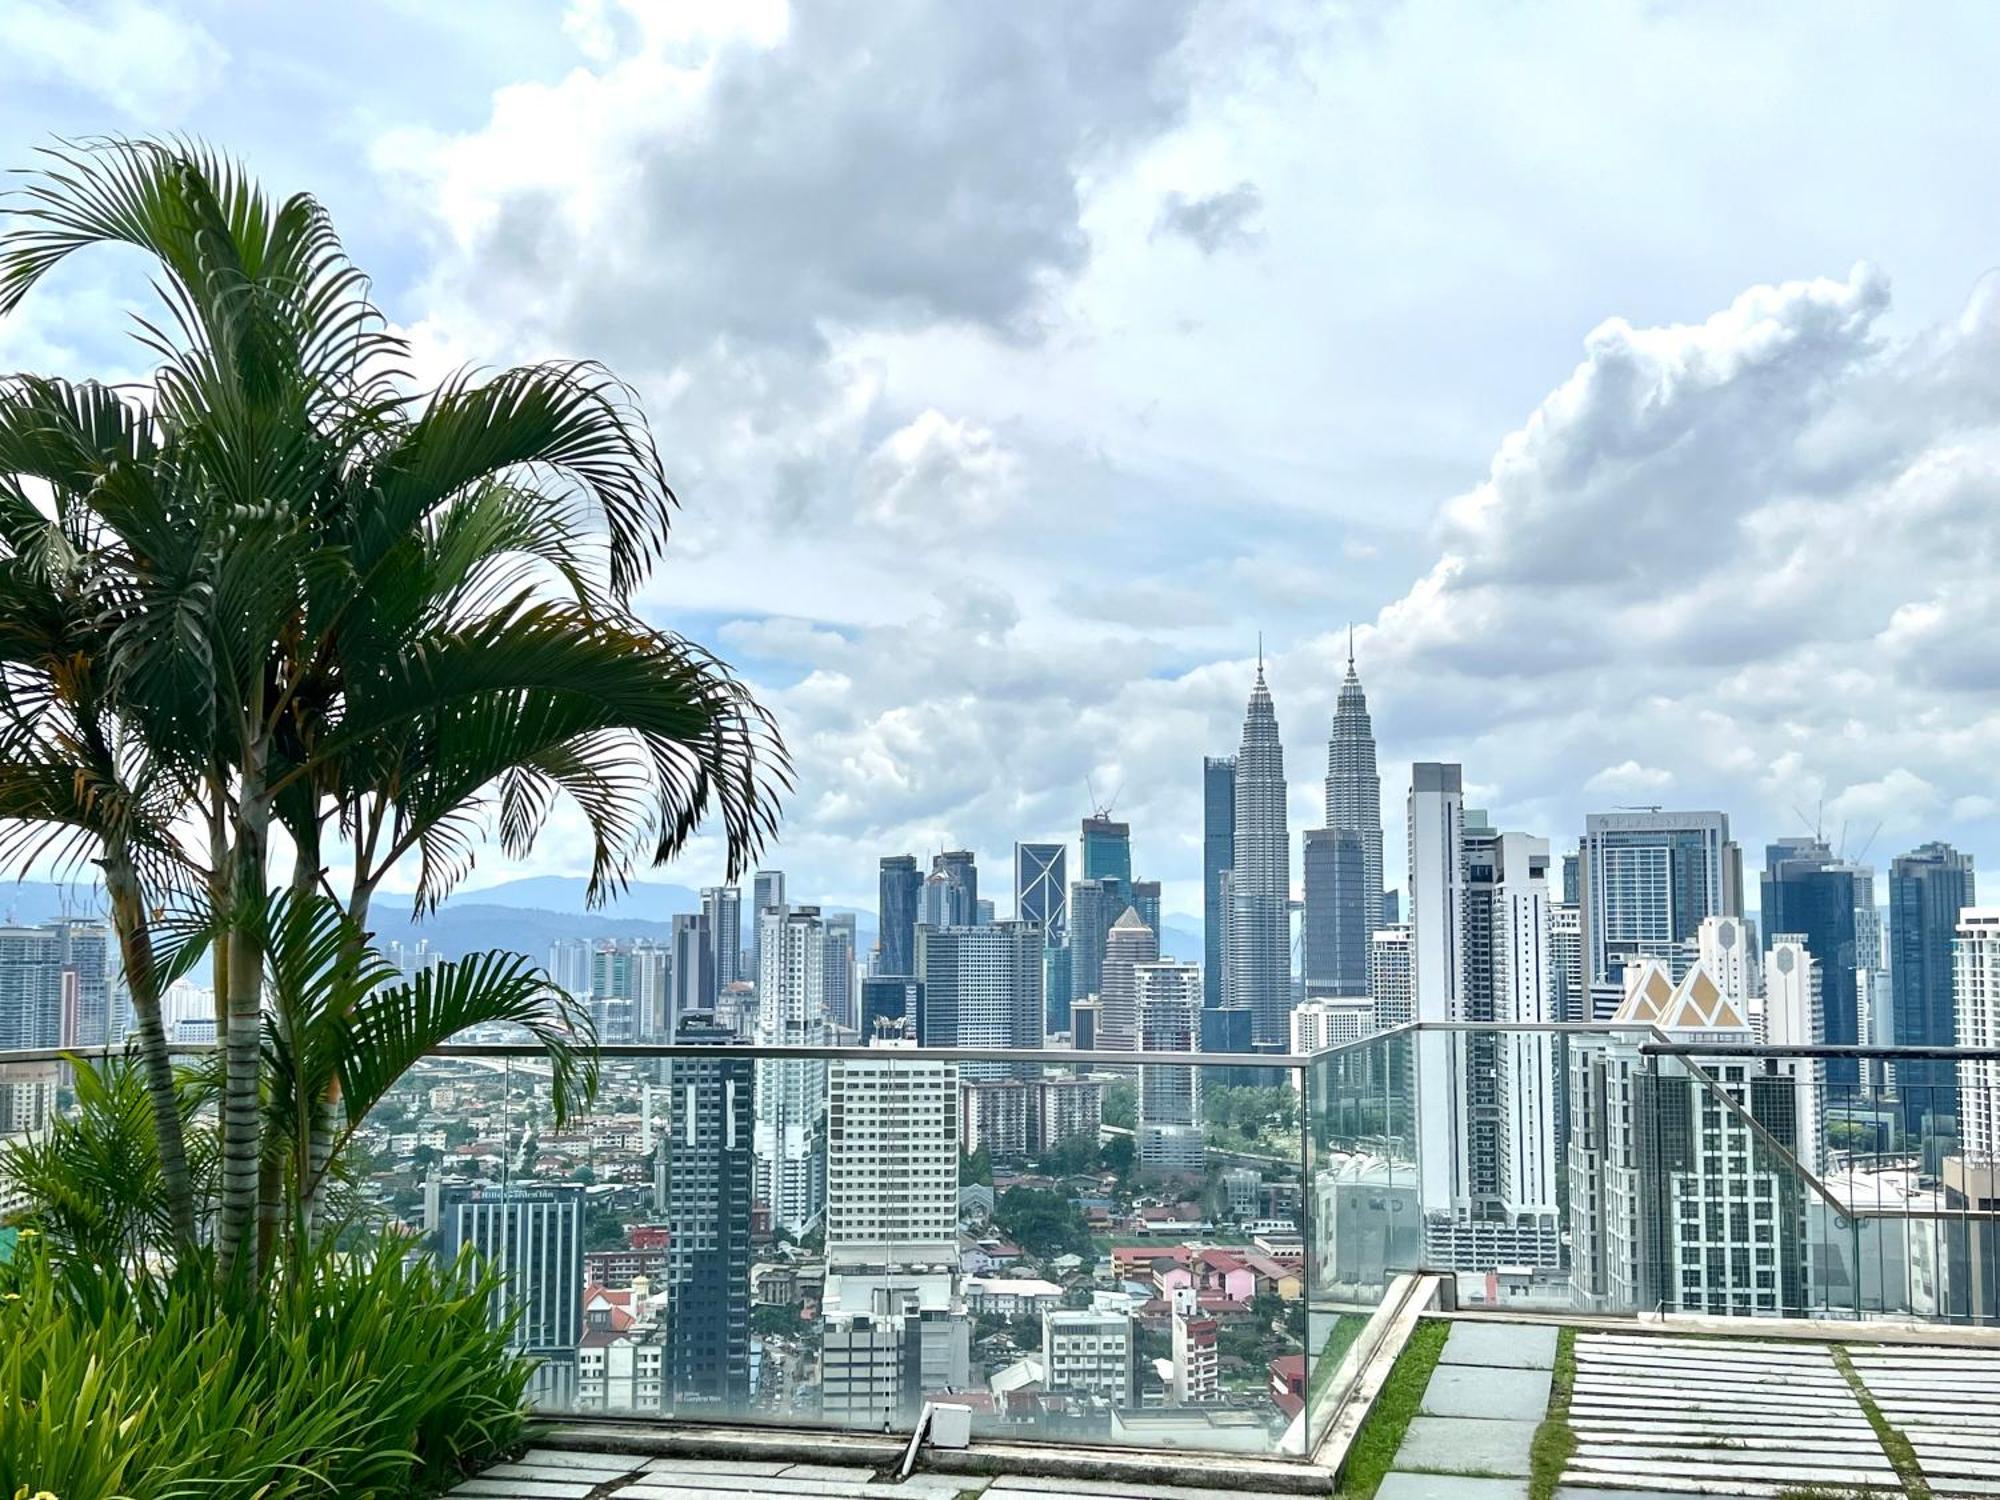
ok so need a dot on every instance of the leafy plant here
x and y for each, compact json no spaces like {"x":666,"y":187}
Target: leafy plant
{"x":367,"y":1375}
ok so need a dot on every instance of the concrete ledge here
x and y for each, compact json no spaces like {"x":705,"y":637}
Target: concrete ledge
{"x":1817,"y":1330}
{"x":1389,"y":1329}
{"x":1152,"y":1467}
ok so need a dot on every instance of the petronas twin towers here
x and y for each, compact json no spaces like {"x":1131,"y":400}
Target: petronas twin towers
{"x":1257,"y":962}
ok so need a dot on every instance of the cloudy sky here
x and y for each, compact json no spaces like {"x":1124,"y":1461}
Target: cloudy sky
{"x":1628,"y":373}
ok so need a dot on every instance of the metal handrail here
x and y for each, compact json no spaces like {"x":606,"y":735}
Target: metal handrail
{"x":1906,"y":1053}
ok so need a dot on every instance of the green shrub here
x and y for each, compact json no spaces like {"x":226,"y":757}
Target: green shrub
{"x":371,"y":1376}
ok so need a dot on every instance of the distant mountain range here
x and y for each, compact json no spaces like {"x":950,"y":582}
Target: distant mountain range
{"x":524,"y":916}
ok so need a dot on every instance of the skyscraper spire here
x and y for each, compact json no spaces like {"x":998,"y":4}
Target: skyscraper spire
{"x":1353,"y":789}
{"x":1258,"y":963}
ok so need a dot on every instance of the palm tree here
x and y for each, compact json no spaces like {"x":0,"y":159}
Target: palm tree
{"x":329,"y":603}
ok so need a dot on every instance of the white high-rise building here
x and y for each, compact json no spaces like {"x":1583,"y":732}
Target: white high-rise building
{"x":1437,"y":950}
{"x":1514,"y":891}
{"x":1566,"y":957}
{"x":1390,"y":986}
{"x":1258,"y":966}
{"x":1320,"y":1024}
{"x":892,"y":1163}
{"x":1129,"y":943}
{"x":1170,"y":1128}
{"x":791,"y":1093}
{"x":1728,"y":950}
{"x":1975,"y":988}
{"x":1793,"y":1017}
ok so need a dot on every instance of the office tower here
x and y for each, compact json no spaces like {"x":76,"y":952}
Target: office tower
{"x":1091,"y":1353}
{"x":1218,"y":853}
{"x":703,"y":1181}
{"x":791,"y":1093}
{"x":1566,"y":956}
{"x":1976,"y":1008}
{"x":1130,"y":943}
{"x":840,"y":971}
{"x":1676,"y":1203}
{"x":896,"y":914}
{"x":982,"y":988}
{"x":1320,"y":1024}
{"x":693,"y":971}
{"x":1041,"y":889}
{"x":569,"y":965}
{"x":533,"y":1237}
{"x":892,"y":1164}
{"x":1336,"y":913}
{"x":1083,"y":1025}
{"x":950,"y":896}
{"x":722,"y":906}
{"x":983,"y":911}
{"x":1391,"y":984}
{"x":1170,"y":1010}
{"x":1572,"y":879}
{"x":1146,"y":902}
{"x":1808,"y":892}
{"x":1107,"y":851}
{"x":1055,"y":989}
{"x":1646,"y":880}
{"x":767,"y":893}
{"x":1928,"y":888}
{"x":54,"y":985}
{"x":1090,"y":919}
{"x":1226,"y":1029}
{"x":1437,"y":945}
{"x":1258,"y":965}
{"x":1392,"y":907}
{"x":890,"y":1006}
{"x":1354,"y":792}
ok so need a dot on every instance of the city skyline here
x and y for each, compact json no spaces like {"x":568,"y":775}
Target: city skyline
{"x":996,"y":522}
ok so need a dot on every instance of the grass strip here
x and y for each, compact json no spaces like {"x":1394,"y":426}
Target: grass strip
{"x":1555,"y":1441}
{"x":1895,"y":1443}
{"x":1396,"y":1404}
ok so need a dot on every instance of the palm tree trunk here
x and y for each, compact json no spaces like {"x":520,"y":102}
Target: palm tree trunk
{"x":135,"y":944}
{"x":319,"y":1152}
{"x":241,"y":1156}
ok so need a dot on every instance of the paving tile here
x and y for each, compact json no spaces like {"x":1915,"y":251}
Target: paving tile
{"x":570,"y":1458}
{"x":751,"y":1467}
{"x":1466,"y":1445}
{"x":562,"y":1473}
{"x":1511,"y":1346}
{"x":479,"y":1487}
{"x":1399,"y":1485}
{"x":1587,"y":1492}
{"x":1049,"y":1487}
{"x":1474,"y":1391}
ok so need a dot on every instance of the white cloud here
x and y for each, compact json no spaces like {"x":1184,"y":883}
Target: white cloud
{"x":150,"y":63}
{"x":1629,"y":778}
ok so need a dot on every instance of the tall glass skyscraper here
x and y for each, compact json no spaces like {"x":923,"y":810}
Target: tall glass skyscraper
{"x":1928,"y":888}
{"x":1354,"y":795}
{"x":1107,"y":850}
{"x":1336,"y":933}
{"x":1646,"y":881}
{"x":1258,"y":969}
{"x":1218,"y":853}
{"x":896,"y":915}
{"x":1809,"y":893}
{"x":1041,"y":889}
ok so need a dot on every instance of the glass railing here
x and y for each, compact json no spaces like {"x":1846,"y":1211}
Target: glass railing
{"x":1139,"y":1248}
{"x":1102,"y":1248}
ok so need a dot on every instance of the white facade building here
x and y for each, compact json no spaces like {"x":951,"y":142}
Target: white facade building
{"x":790,"y":1143}
{"x":1170,"y":1128}
{"x":892,"y":1162}
{"x":1975,"y":984}
{"x":1320,"y":1024}
{"x":1390,"y":986}
{"x":1092,"y":1353}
